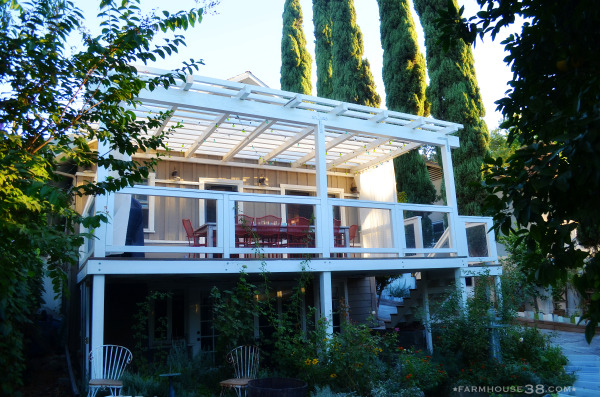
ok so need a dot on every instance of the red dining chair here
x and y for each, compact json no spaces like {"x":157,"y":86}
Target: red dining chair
{"x":352,"y":234}
{"x":193,"y":239}
{"x":243,"y":230}
{"x":298,"y":232}
{"x":268,"y":228}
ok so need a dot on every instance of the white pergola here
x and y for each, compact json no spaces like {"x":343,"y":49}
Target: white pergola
{"x":231,"y":122}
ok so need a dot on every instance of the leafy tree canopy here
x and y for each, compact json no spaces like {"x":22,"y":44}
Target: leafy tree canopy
{"x":54,"y":102}
{"x":551,"y":184}
{"x":296,"y":62}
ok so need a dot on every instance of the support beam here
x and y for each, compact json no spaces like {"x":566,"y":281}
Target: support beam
{"x":98,"y":287}
{"x":165,"y":122}
{"x":333,"y":143}
{"x":325,"y":298}
{"x":461,"y":285}
{"x":379,"y":117}
{"x":207,"y":132}
{"x":323,"y":212}
{"x":498,"y":285}
{"x":427,"y":317}
{"x":295,"y":101}
{"x":288,"y":143}
{"x":248,"y":140}
{"x":404,"y":149}
{"x":358,"y":152}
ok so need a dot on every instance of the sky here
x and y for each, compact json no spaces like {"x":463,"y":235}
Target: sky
{"x":243,"y":35}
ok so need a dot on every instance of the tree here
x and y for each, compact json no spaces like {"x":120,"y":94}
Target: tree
{"x":499,"y":147}
{"x":551,"y":184}
{"x":323,"y":57}
{"x":404,"y":77}
{"x":55,"y":102}
{"x":454,"y":96}
{"x":296,"y":62}
{"x":352,"y":80}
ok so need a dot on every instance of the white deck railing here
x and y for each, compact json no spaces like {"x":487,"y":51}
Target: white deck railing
{"x":393,"y":221}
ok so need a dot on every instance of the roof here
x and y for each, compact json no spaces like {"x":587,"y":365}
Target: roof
{"x":229,"y":121}
{"x":248,"y":78}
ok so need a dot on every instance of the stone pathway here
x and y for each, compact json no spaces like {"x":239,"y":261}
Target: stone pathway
{"x":583,"y":358}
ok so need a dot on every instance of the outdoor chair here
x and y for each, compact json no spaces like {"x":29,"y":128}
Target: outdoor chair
{"x":193,"y":239}
{"x":108,"y":363}
{"x":245,"y":361}
{"x":298,"y":233}
{"x":268,"y":229}
{"x":243,"y":230}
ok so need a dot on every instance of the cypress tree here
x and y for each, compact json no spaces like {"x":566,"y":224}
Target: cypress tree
{"x":322,"y":22}
{"x":296,"y":62}
{"x":454,"y":96}
{"x":351,"y":74}
{"x":404,"y":77}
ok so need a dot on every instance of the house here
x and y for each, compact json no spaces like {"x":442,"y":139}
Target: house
{"x":248,"y":149}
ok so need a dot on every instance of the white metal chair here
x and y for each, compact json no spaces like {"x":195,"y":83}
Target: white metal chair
{"x":245,"y":360}
{"x":108,"y":363}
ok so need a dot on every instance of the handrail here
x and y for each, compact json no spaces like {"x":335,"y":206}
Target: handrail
{"x":225,"y":217}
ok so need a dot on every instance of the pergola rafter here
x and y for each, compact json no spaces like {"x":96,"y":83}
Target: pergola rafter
{"x":230,"y":121}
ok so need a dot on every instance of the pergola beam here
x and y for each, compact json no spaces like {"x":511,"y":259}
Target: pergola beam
{"x":358,"y":152}
{"x":288,"y":143}
{"x":331,"y":144}
{"x":404,"y":149}
{"x":165,"y":122}
{"x":207,"y":132}
{"x":245,"y":142}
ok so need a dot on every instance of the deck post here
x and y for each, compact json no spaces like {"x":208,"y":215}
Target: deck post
{"x":498,"y":284}
{"x":448,"y":170}
{"x":427,"y":318}
{"x":98,"y":292}
{"x":461,"y":285}
{"x":325,"y":298}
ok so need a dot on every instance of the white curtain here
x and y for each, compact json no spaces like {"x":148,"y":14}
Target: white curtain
{"x":376,"y":184}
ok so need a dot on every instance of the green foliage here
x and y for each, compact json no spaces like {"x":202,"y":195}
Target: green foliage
{"x":54,"y":102}
{"x":352,"y":80}
{"x":516,"y":268}
{"x":550,"y":185}
{"x":296,"y":62}
{"x":454,"y":96}
{"x":499,"y":147}
{"x":236,"y":310}
{"x":141,"y":332}
{"x":323,"y":47}
{"x":199,"y":376}
{"x":462,"y":341}
{"x":404,"y":71}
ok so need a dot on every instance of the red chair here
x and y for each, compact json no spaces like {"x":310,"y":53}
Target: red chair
{"x":298,"y":232}
{"x":268,"y":228}
{"x":352,"y":234}
{"x":243,"y":230}
{"x":338,"y":237}
{"x":193,"y":239}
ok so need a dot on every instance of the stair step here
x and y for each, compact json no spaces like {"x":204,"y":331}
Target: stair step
{"x":580,"y":369}
{"x":587,"y":385}
{"x":584,"y":358}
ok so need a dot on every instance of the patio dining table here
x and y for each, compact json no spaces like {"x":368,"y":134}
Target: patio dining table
{"x":210,"y":229}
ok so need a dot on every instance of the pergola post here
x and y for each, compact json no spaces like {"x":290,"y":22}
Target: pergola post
{"x":323,"y":214}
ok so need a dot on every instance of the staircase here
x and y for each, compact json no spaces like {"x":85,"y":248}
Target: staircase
{"x":408,"y":311}
{"x":587,"y":370}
